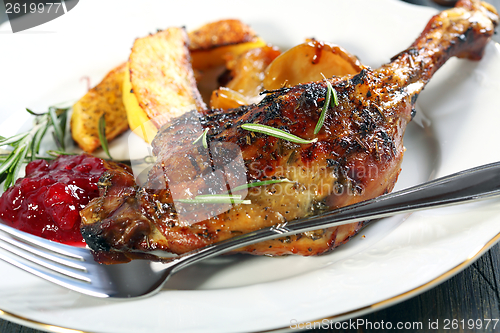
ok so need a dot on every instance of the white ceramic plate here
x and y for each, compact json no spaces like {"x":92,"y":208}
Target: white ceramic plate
{"x":456,"y":129}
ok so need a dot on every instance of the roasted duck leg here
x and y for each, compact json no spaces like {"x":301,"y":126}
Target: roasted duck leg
{"x":356,"y":155}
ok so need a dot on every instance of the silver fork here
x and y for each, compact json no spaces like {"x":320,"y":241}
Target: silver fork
{"x":74,"y":268}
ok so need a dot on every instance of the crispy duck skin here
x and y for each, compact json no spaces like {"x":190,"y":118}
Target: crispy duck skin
{"x":357,"y":156}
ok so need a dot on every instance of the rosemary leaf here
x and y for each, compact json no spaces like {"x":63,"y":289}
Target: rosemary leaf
{"x":17,"y":166}
{"x":8,"y":162}
{"x":32,"y":148}
{"x":57,"y":130}
{"x":102,"y":136}
{"x":8,"y":180}
{"x":18,"y":153}
{"x":230,"y":198}
{"x":35,"y":143}
{"x":33,"y":113}
{"x":334,"y":102}
{"x":56,"y":140}
{"x":3,"y":177}
{"x":3,"y":157}
{"x":271,"y":131}
{"x":63,"y":117}
{"x":261,"y":183}
{"x":218,"y":196}
{"x":38,"y":140}
{"x":56,"y":153}
{"x":215,"y":200}
{"x":12,"y":164}
{"x":13,"y":139}
{"x":203,"y":138}
{"x":322,"y":116}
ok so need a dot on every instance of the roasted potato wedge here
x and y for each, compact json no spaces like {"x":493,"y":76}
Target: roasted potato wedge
{"x":245,"y":74}
{"x":213,"y":43}
{"x":161,"y":84}
{"x":310,"y":61}
{"x":105,"y":98}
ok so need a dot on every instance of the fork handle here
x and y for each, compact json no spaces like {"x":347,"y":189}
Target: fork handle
{"x":474,"y":184}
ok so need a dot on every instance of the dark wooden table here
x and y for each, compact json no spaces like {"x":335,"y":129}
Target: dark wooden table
{"x":471,"y":294}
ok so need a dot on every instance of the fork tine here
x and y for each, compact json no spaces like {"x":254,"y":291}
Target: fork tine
{"x":44,"y":254}
{"x":68,"y":266}
{"x":74,"y":268}
{"x":61,"y":249}
{"x":54,"y":278}
{"x":59,"y":265}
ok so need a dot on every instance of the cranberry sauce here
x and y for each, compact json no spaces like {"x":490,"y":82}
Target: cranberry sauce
{"x":47,"y":201}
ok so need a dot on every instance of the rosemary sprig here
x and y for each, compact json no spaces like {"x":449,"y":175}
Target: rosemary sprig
{"x":231,"y":198}
{"x":261,"y":183}
{"x":334,"y":102}
{"x":218,"y":196}
{"x":102,"y":135}
{"x":26,"y":146}
{"x":203,"y":138}
{"x":271,"y":131}
{"x":216,"y":199}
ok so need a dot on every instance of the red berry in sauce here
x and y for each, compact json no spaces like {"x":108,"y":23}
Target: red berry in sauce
{"x":47,"y":201}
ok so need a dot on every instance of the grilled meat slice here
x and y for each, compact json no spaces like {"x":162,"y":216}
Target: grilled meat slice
{"x":357,"y":155}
